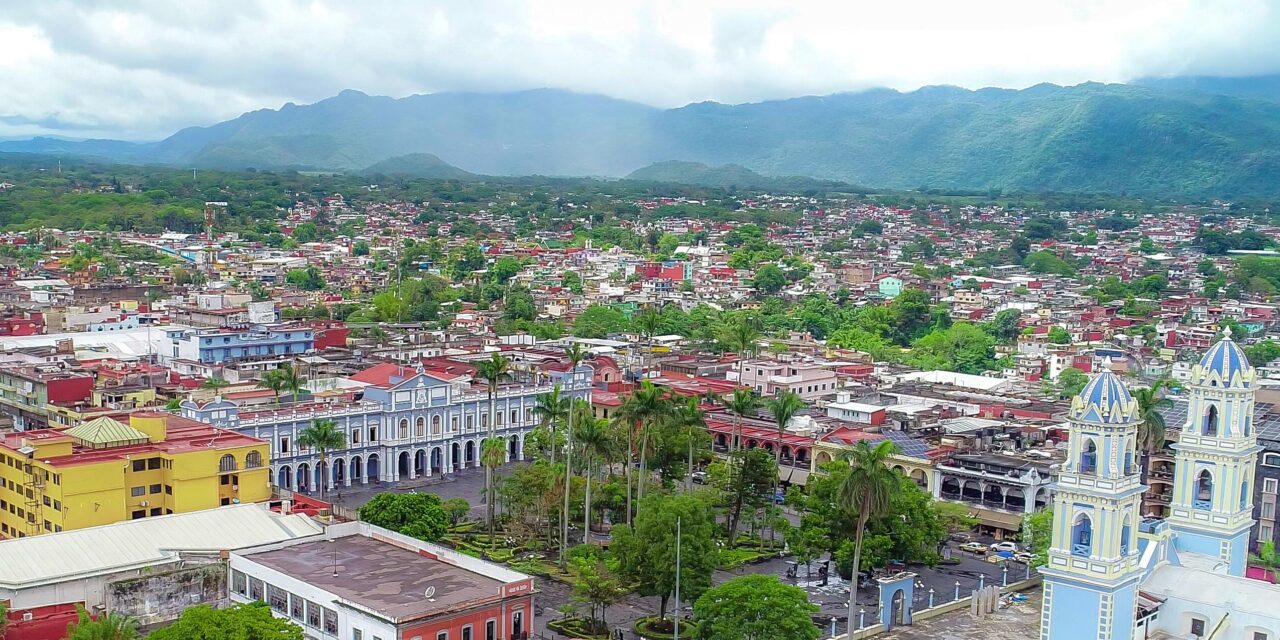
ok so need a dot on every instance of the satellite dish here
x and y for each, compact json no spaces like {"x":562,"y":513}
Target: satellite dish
{"x":430,"y":592}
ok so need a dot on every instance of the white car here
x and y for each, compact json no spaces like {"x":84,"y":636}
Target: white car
{"x":1036,"y":453}
{"x":1010,"y":547}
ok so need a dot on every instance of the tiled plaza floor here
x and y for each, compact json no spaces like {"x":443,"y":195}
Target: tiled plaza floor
{"x":1020,"y":621}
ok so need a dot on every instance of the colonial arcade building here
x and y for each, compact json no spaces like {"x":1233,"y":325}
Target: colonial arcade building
{"x":408,"y":423}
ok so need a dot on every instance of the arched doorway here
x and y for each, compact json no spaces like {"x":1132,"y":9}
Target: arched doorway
{"x":993,"y":496}
{"x":402,"y":465}
{"x":1014,"y":499}
{"x":284,"y":477}
{"x":437,"y":460}
{"x":1042,"y":498}
{"x":971,"y":490}
{"x":921,"y":478}
{"x":357,"y":469}
{"x":951,"y":488}
{"x":513,"y":450}
{"x":1203,"y":491}
{"x":420,"y":462}
{"x":339,"y":472}
{"x":897,"y":608}
{"x":304,"y":477}
{"x":373,"y":468}
{"x":455,"y":455}
{"x":322,"y":475}
{"x":471,"y":453}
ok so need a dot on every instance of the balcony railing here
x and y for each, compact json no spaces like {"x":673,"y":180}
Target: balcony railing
{"x":1080,"y":550}
{"x":1203,"y":505}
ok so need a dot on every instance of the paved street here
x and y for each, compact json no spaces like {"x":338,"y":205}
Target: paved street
{"x":832,"y":598}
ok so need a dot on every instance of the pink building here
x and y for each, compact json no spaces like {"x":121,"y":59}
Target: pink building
{"x":807,"y":380}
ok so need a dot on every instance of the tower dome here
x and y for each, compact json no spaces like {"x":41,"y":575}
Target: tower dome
{"x":1224,"y":365}
{"x":1105,"y":400}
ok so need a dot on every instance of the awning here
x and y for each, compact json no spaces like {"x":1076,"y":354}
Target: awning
{"x":794,"y":475}
{"x":1000,"y":519}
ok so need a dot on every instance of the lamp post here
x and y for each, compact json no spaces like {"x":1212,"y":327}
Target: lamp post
{"x":957,"y":590}
{"x":982,"y":580}
{"x":1005,"y":578}
{"x":930,"y":598}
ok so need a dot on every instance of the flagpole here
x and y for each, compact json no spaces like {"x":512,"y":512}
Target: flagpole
{"x":676,"y":635}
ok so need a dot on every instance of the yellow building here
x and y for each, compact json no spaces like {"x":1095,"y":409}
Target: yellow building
{"x":105,"y":471}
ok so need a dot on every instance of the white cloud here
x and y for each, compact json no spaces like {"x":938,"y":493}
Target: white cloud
{"x":147,"y":67}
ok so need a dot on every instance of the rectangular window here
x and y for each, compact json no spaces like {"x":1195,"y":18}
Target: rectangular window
{"x":153,"y":463}
{"x":313,"y":615}
{"x":139,"y":465}
{"x":491,"y":630}
{"x":239,"y":584}
{"x":284,"y":445}
{"x":295,"y":608}
{"x":466,"y":632}
{"x":1270,"y":485}
{"x":155,"y":488}
{"x":330,"y":621}
{"x":1259,"y":635}
{"x":1269,"y":511}
{"x":255,"y":589}
{"x":357,"y":634}
{"x":137,"y":491}
{"x":1197,"y":627}
{"x":355,"y":439}
{"x":443,"y":635}
{"x":1265,"y":532}
{"x":278,"y":599}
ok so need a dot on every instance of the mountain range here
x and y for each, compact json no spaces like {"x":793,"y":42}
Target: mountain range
{"x":1188,"y":137}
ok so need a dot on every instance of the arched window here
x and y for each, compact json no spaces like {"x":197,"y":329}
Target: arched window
{"x":1082,"y":536}
{"x":1211,"y":421}
{"x":1128,"y":457}
{"x":227,"y":463}
{"x":1089,"y":457}
{"x":420,"y":427}
{"x":404,"y":429}
{"x":1248,"y":425}
{"x":1244,"y":496}
{"x":435,"y":425}
{"x":1126,"y":533}
{"x":253,"y":460}
{"x":1203,"y":491}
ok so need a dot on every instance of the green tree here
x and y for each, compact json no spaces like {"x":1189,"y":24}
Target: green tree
{"x":596,"y":445}
{"x":1059,"y":335}
{"x":595,"y":586}
{"x":240,"y":622}
{"x":306,"y":232}
{"x":1048,"y":262}
{"x":783,"y":407}
{"x":360,"y":248}
{"x":866,"y":491}
{"x":742,"y":404}
{"x":1268,"y":558}
{"x":769,"y":280}
{"x":551,"y":408}
{"x":755,"y":607}
{"x":214,"y":383}
{"x":1039,"y":528}
{"x":323,"y":436}
{"x":1004,"y":327}
{"x":911,"y":317}
{"x":1151,"y":427}
{"x":274,"y":381}
{"x":598,"y":321}
{"x":644,"y":408}
{"x":309,"y":279}
{"x":493,"y":371}
{"x":962,"y":347}
{"x":457,"y":510}
{"x":1070,"y":382}
{"x":419,"y":515}
{"x":572,"y":281}
{"x":747,"y":482}
{"x":108,"y":626}
{"x":646,"y":550}
{"x":505,"y":268}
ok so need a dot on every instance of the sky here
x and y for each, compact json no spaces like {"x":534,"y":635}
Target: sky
{"x":142,"y":69}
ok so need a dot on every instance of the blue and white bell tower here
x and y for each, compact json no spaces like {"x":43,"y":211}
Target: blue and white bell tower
{"x":1091,"y":579}
{"x":1216,"y":453}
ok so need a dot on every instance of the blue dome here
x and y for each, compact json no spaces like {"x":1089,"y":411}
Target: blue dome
{"x":1224,"y":365}
{"x":1105,"y":399}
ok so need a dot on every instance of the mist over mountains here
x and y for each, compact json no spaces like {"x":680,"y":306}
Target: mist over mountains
{"x":1178,"y":137}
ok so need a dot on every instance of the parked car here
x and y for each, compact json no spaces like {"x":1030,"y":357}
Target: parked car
{"x":1038,"y":453}
{"x":699,"y":477}
{"x":960,"y":537}
{"x":1025,"y":557}
{"x":1010,"y":547}
{"x":974,"y":547}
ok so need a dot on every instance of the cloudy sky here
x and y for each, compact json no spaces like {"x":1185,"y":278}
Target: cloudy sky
{"x":142,"y":69}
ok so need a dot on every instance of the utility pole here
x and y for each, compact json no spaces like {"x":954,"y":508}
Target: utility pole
{"x":676,"y":634}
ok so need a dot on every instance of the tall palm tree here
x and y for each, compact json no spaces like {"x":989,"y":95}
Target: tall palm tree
{"x":744,"y":403}
{"x":742,"y":335}
{"x":596,"y":445}
{"x":784,"y":407}
{"x":1151,"y":426}
{"x":493,"y":452}
{"x":274,"y":381}
{"x":575,"y":354}
{"x":866,"y":492}
{"x":492,"y":370}
{"x":108,"y":626}
{"x":645,"y":406}
{"x":323,"y":436}
{"x":551,"y":407}
{"x":214,"y":383}
{"x":690,"y":417}
{"x":648,"y":322}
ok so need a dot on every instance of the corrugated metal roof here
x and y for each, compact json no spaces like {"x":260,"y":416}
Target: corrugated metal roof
{"x":105,"y":431}
{"x":72,"y":555}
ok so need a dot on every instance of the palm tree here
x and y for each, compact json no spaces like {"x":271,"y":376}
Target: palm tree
{"x":744,"y":403}
{"x":291,"y":380}
{"x":493,"y":452}
{"x":866,"y":492}
{"x":690,"y":416}
{"x":742,"y":335}
{"x":214,"y":383}
{"x":108,"y":626}
{"x":643,"y":408}
{"x":648,"y":322}
{"x":1151,"y":427}
{"x":551,"y":408}
{"x":784,"y":408}
{"x":323,"y":436}
{"x":273,"y":380}
{"x":596,"y":445}
{"x":492,"y":370}
{"x":575,"y":354}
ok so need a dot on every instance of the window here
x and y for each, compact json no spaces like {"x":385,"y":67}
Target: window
{"x":239,"y":584}
{"x":284,"y":445}
{"x":1197,"y":627}
{"x":373,"y":434}
{"x":295,"y":608}
{"x":1259,"y":635}
{"x":1211,"y":421}
{"x":255,"y":588}
{"x":1268,"y":511}
{"x":137,"y":491}
{"x":153,"y":463}
{"x":278,"y":598}
{"x":313,"y":614}
{"x":1082,"y":536}
{"x":471,"y":424}
{"x":466,"y":632}
{"x":491,"y":630}
{"x":139,"y":465}
{"x":443,"y":635}
{"x":1270,"y":485}
{"x":155,"y":488}
{"x":1271,"y":459}
{"x":355,"y":439}
{"x":420,"y":427}
{"x":330,"y":621}
{"x":1265,"y":532}
{"x":1203,"y":498}
{"x":402,"y":430}
{"x":1089,"y":457}
{"x":357,"y":634}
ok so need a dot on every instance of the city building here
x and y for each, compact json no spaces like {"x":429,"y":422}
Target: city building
{"x":227,"y":346}
{"x":337,"y":587}
{"x":1114,"y":576}
{"x":409,"y":423}
{"x":149,"y":570}
{"x":27,"y":391}
{"x":106,"y":471}
{"x":768,"y":378}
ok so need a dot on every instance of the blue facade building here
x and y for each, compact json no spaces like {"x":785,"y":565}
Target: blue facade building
{"x":409,"y":424}
{"x":212,"y":347}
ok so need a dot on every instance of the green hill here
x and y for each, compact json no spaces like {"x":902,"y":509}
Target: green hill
{"x":1090,"y":138}
{"x":727,"y":176}
{"x":418,"y":165}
